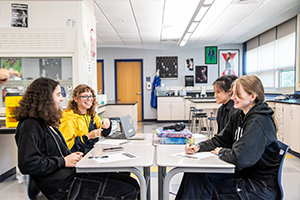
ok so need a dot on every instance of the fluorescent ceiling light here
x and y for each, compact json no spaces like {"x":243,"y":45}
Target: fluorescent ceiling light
{"x":187,"y":36}
{"x":208,"y":2}
{"x":200,"y":14}
{"x":182,"y":43}
{"x":193,"y":27}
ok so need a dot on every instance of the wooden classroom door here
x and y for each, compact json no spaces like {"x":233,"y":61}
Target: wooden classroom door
{"x":99,"y":77}
{"x":129,"y":83}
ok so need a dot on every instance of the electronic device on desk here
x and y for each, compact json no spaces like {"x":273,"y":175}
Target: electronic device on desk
{"x":282,"y":97}
{"x":127,"y":130}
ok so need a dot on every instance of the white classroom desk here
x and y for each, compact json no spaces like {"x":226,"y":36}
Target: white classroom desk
{"x":145,"y":159}
{"x":165,"y":159}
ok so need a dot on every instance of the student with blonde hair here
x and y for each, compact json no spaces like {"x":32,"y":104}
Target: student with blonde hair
{"x":249,"y":142}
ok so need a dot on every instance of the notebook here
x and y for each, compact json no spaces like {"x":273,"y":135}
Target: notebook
{"x":127,"y":129}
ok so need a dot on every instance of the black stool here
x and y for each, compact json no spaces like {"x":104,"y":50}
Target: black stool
{"x":212,"y":125}
{"x":200,"y":117}
{"x":193,"y":111}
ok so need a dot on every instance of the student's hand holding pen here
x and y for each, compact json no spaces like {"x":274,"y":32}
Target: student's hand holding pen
{"x":94,"y":134}
{"x":191,"y":149}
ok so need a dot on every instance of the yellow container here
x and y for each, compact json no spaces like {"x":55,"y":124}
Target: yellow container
{"x":11,"y":103}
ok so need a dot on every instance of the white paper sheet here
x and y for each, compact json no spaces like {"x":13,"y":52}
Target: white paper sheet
{"x":113,"y":142}
{"x":196,"y":156}
{"x":121,"y":156}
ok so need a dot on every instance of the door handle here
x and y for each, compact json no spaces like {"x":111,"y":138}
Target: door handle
{"x":139,"y":93}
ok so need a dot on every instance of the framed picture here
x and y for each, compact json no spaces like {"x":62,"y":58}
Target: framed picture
{"x":228,"y":62}
{"x":211,"y":55}
{"x":201,"y":74}
{"x":13,"y":64}
{"x":189,"y":64}
{"x":168,"y":66}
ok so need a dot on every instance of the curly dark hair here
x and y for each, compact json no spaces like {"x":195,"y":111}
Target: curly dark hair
{"x":72,"y":105}
{"x":37,"y":102}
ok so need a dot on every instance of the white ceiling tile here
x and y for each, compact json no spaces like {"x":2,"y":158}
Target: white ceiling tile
{"x":126,"y":36}
{"x":149,"y":19}
{"x":150,"y":29}
{"x":123,"y":20}
{"x":147,"y":7}
{"x":126,"y":29}
{"x":132,"y":42}
{"x":114,"y":7}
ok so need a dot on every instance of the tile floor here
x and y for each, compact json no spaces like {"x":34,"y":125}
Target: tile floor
{"x":15,"y":188}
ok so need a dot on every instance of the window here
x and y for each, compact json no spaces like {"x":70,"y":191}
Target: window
{"x":271,"y":56}
{"x":287,"y":78}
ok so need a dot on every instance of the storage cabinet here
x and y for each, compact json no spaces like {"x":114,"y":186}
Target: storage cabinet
{"x":287,"y":118}
{"x":292,"y":126}
{"x":170,"y":108}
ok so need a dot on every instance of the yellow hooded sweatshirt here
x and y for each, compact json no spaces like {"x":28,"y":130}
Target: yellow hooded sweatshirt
{"x":73,"y":125}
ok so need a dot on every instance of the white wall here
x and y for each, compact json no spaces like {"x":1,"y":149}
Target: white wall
{"x":148,"y":56}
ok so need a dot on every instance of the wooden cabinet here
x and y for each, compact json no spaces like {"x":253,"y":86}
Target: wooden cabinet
{"x":170,"y":108}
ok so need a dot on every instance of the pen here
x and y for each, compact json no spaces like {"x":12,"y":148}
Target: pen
{"x":123,"y":143}
{"x":129,"y":155}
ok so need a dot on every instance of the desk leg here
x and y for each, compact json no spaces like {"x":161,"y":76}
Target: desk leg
{"x":147,"y":178}
{"x":161,"y":175}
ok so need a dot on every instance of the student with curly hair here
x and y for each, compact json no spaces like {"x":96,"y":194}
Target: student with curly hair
{"x":44,"y":155}
{"x":80,"y":125}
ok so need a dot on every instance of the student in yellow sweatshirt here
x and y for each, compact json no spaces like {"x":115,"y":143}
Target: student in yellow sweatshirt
{"x":80,"y":125}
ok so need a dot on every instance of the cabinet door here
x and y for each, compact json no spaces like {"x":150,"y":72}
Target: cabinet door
{"x":177,"y":110}
{"x":187,"y":105}
{"x":287,"y":124}
{"x":295,"y":133}
{"x":163,"y":110}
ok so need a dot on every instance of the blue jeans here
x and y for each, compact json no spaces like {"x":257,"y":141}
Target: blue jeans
{"x":196,"y":186}
{"x":100,"y":186}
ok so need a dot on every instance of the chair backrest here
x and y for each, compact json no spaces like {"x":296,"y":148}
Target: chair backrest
{"x":283,"y":150}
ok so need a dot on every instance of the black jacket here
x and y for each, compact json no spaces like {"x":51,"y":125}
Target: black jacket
{"x":224,"y":113}
{"x":249,"y":142}
{"x":40,"y":156}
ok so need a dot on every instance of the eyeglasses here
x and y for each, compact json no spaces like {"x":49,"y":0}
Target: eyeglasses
{"x":85,"y":97}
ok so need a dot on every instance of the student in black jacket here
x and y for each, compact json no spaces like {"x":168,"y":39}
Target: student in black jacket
{"x":223,"y":92}
{"x":43,"y":153}
{"x":249,"y":142}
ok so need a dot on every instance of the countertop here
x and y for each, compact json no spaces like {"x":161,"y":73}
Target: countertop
{"x":213,"y":99}
{"x":115,"y":103}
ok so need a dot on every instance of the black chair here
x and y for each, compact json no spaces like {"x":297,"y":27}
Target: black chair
{"x":282,"y":153}
{"x":32,"y":189}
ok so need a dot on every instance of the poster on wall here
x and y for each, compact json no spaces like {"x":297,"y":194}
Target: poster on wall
{"x":93,"y":45}
{"x":167,"y":66}
{"x":211,"y":55}
{"x":201,"y":74}
{"x":229,"y":62}
{"x":50,"y":68}
{"x":12,"y":64}
{"x":19,"y":15}
{"x":189,"y":64}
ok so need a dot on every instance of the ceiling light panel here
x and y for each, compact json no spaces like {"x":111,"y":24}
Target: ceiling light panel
{"x":210,"y":17}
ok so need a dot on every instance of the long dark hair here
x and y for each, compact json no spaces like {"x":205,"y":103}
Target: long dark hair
{"x":37,"y":102}
{"x":224,"y":82}
{"x":72,"y":105}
